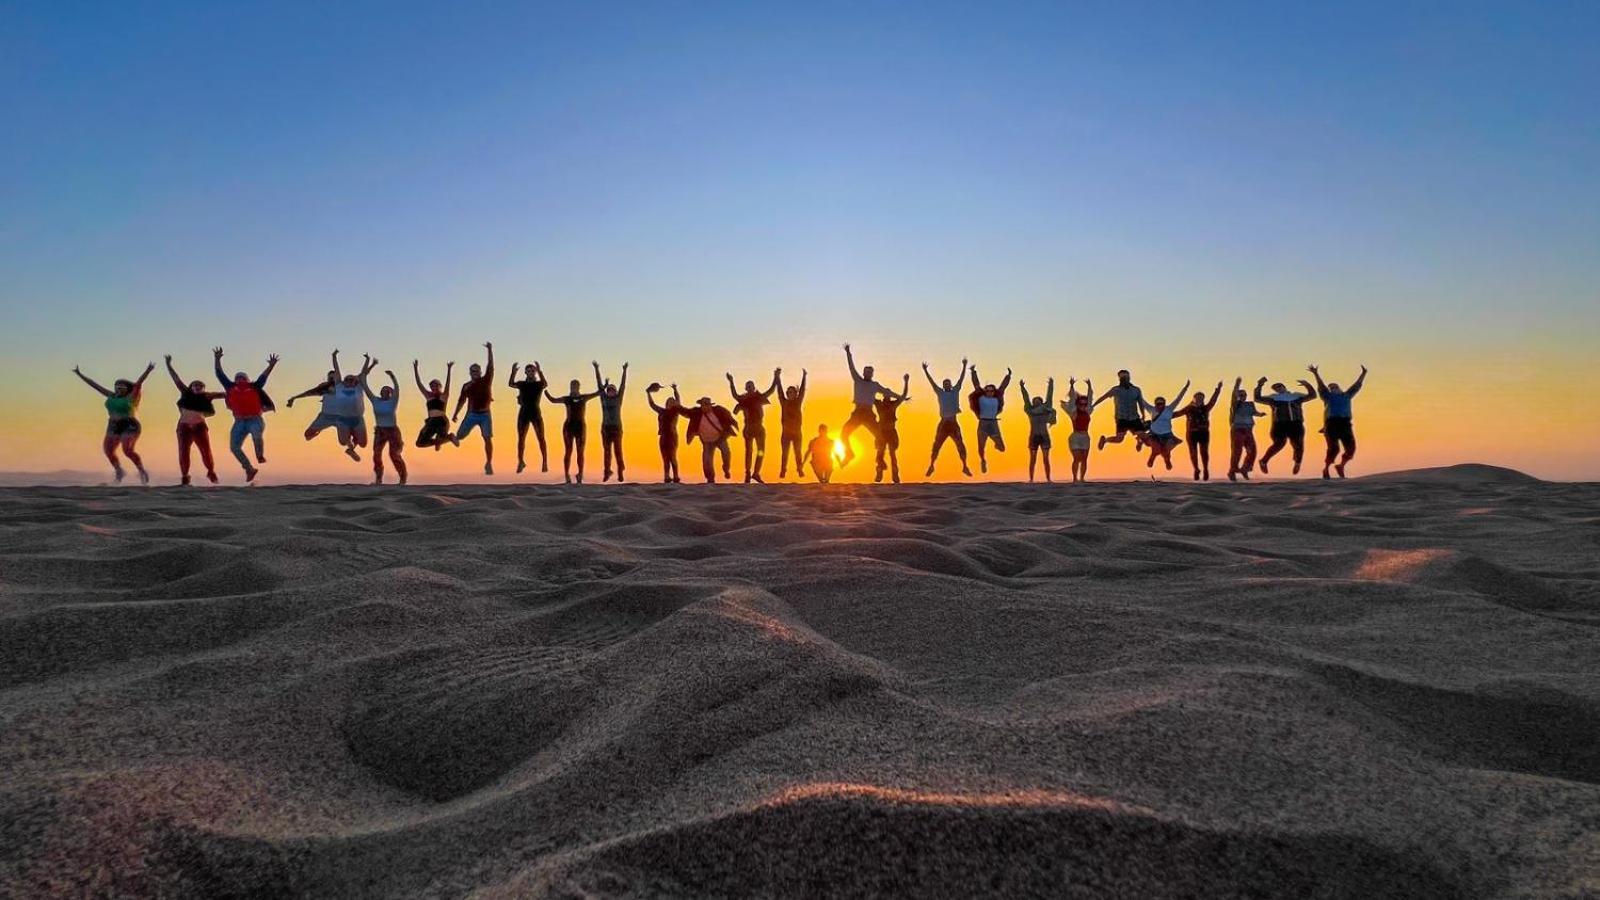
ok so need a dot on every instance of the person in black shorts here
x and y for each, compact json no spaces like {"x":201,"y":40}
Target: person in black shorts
{"x":436,"y":430}
{"x":1128,"y":405}
{"x":530,"y":390}
{"x":1288,"y":419}
{"x":574,"y":434}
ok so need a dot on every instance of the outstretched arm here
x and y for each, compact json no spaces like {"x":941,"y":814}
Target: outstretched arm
{"x":449,"y":374}
{"x":1311,"y":391}
{"x":1322,"y":386}
{"x":1006,"y":382}
{"x":488,"y":369}
{"x":90,"y":381}
{"x":216,"y":362}
{"x":963,"y":379}
{"x":1261,"y":382}
{"x":511,"y":380}
{"x":622,"y":384}
{"x":733,"y":389}
{"x":850,"y":358}
{"x":1182,"y":393}
{"x":138,"y":383}
{"x":599,"y":383}
{"x":1215,"y":393}
{"x":650,"y":398}
{"x":338,"y":374}
{"x":416,"y":372}
{"x":803,"y":376}
{"x":776,"y":374}
{"x":1050,"y":391}
{"x":1360,"y":380}
{"x":929,"y":375}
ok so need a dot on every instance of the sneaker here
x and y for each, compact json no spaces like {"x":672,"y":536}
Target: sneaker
{"x":520,"y":466}
{"x":488,"y":469}
{"x":351,"y":452}
{"x":184,"y":481}
{"x":966,"y":471}
{"x":250,"y":475}
{"x":211,"y":477}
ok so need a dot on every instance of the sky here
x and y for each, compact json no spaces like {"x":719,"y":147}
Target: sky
{"x":1188,"y":191}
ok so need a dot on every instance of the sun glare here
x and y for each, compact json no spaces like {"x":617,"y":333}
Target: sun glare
{"x":838,"y":449}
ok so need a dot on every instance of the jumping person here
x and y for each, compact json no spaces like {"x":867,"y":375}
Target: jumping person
{"x":1159,"y":434}
{"x":385,"y":429}
{"x":195,"y":406}
{"x":820,"y":452}
{"x":887,"y":438}
{"x":791,"y":402}
{"x":611,"y":421}
{"x":476,"y":395}
{"x":1336,"y":427}
{"x":1197,"y":431}
{"x":530,"y":390}
{"x":344,"y":408}
{"x":1242,"y":415}
{"x":574,"y":433}
{"x":122,"y":422}
{"x":248,"y":401}
{"x":987,"y":402}
{"x":1127,"y":402}
{"x":1288,"y":419}
{"x":667,"y":430}
{"x":1080,"y":410}
{"x":750,"y":404}
{"x":864,"y":392}
{"x":435,"y":431}
{"x":949,"y":396}
{"x":712,"y":425}
{"x":1041,"y":415}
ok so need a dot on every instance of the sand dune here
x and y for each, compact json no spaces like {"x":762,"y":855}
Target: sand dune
{"x":1388,"y":687}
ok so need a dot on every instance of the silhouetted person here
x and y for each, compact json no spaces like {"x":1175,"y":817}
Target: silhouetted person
{"x":712,"y":425}
{"x":949,"y":396}
{"x":752,"y":405}
{"x":248,"y":401}
{"x":344,"y":407}
{"x":1242,"y":415}
{"x":820,"y":453}
{"x":667,"y":430}
{"x":1336,"y":423}
{"x":791,"y":401}
{"x":1080,"y":411}
{"x":864,"y":393}
{"x":886,"y":442}
{"x":435,"y":431}
{"x":1041,"y":415}
{"x":611,"y":422}
{"x":1288,"y":419}
{"x":122,"y":420}
{"x":1197,"y":431}
{"x":1159,"y":432}
{"x":385,"y":427}
{"x":574,"y":433}
{"x":987,"y":402}
{"x":530,"y":390}
{"x":195,"y":406}
{"x":1127,"y":402}
{"x":477,"y":395}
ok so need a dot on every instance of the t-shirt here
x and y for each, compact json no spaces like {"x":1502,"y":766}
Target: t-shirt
{"x":949,"y":402}
{"x":1040,"y":418}
{"x":792,"y":413}
{"x":988,"y":407}
{"x":750,"y":405}
{"x":866,"y":391}
{"x":1286,"y":407}
{"x":1125,"y":401}
{"x":610,"y":411}
{"x":479,"y":393}
{"x":822,"y":454}
{"x":1161,"y":422}
{"x":347,"y":402}
{"x":1337,"y":406}
{"x":1244,"y":414}
{"x":529,"y":392}
{"x":125,"y":405}
{"x":383,"y":411}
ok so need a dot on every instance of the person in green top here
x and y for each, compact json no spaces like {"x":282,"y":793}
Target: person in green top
{"x":122,"y":423}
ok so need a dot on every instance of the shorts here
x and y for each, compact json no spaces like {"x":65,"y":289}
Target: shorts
{"x":610,"y":433}
{"x":476,"y":419}
{"x":128,"y":427}
{"x":573,"y":429}
{"x":387,"y":435}
{"x":1338,"y":430}
{"x":1137,"y":426}
{"x":1199,"y":437}
{"x":948,"y":429}
{"x":990,"y":427}
{"x":1038,"y":442}
{"x":1078,"y":440}
{"x":434,"y":430}
{"x":530,"y":415}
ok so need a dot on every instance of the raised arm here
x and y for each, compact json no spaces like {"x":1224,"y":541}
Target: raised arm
{"x":488,"y":368}
{"x":338,"y":374}
{"x":1005,"y":382}
{"x":1356,"y":385}
{"x":138,"y":383}
{"x":272,"y":363}
{"x":650,"y":398}
{"x":1322,"y":386}
{"x":1215,"y":394}
{"x":963,"y":379}
{"x":733,"y":389}
{"x":622,"y":383}
{"x":511,"y":380}
{"x":675,"y":394}
{"x":803,"y":384}
{"x":929,"y":375}
{"x":1311,"y":391}
{"x":850,"y":358}
{"x":1182,"y":393}
{"x":1260,"y":383}
{"x":776,"y":374}
{"x":416,"y":372}
{"x":394,"y":382}
{"x":905,"y":387}
{"x":1050,"y":392}
{"x":90,"y":381}
{"x":449,"y":374}
{"x":1022,"y":387}
{"x":599,"y":383}
{"x":216,"y":362}
{"x":365,"y":387}
{"x":174,"y":373}
{"x":1088,"y":389}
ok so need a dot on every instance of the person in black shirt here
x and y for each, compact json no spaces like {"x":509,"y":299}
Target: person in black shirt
{"x":1288,"y":419}
{"x":530,"y":390}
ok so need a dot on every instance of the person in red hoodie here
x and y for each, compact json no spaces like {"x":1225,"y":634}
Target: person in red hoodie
{"x":248,"y":401}
{"x":713,"y":425}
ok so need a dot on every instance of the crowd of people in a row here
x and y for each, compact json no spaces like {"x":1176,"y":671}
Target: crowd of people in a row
{"x":345,"y":396}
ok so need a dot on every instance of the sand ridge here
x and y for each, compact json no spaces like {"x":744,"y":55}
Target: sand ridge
{"x":1385,"y":687}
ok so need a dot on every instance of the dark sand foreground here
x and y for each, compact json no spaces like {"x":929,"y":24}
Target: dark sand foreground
{"x":1387,"y":687}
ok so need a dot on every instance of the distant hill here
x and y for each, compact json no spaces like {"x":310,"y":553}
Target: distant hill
{"x":1465,"y":473}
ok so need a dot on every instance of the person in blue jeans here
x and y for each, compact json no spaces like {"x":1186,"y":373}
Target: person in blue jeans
{"x":1336,"y":426}
{"x":476,"y":395}
{"x":248,"y":401}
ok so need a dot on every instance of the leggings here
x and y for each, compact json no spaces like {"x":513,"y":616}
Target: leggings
{"x":384,"y":436}
{"x":198,"y":436}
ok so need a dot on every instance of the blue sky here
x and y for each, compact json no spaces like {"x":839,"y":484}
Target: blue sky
{"x":654,"y":180}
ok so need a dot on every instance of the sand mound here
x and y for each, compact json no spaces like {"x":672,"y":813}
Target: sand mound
{"x":1381,"y":688}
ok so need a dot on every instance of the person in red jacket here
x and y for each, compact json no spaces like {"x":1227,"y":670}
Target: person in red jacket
{"x":248,"y":401}
{"x":712,"y":425}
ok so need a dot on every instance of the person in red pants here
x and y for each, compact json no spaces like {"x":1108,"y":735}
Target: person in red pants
{"x":195,"y":406}
{"x":1242,"y":415}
